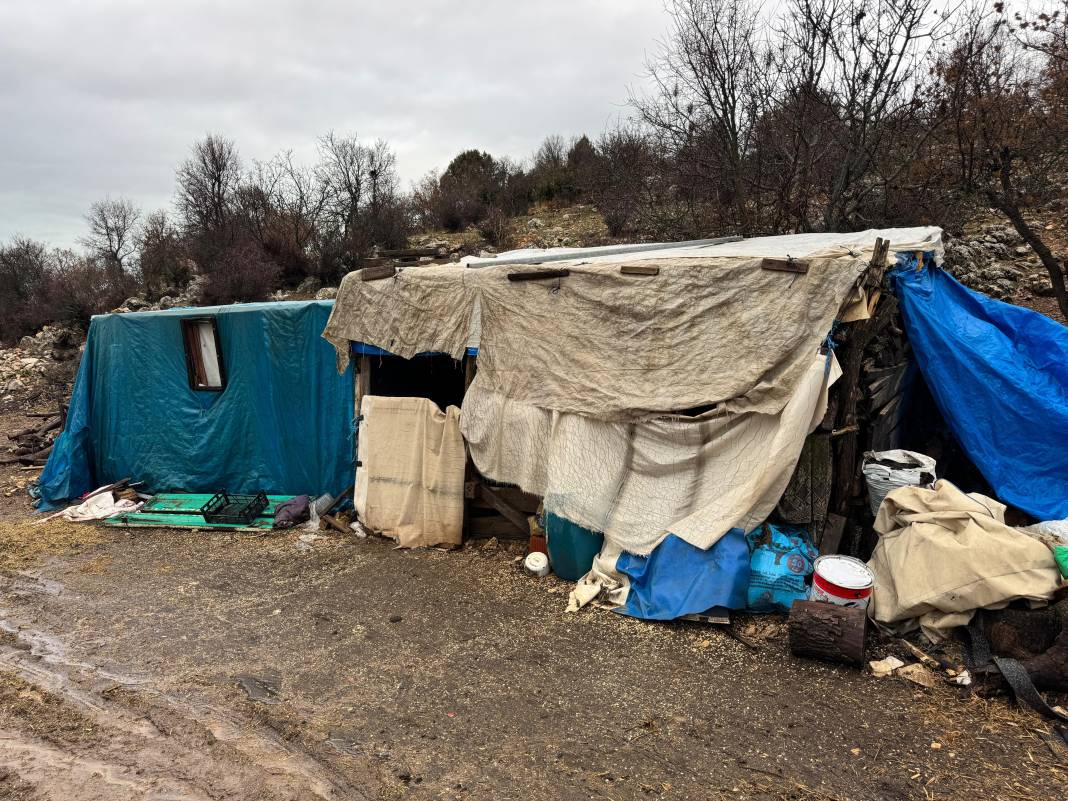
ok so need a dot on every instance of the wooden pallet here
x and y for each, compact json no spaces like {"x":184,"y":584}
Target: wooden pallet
{"x":182,"y":510}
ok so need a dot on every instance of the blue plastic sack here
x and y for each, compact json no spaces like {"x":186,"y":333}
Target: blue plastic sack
{"x":780,"y":564}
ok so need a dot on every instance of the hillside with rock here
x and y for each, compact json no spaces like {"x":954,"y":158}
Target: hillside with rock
{"x":988,"y":256}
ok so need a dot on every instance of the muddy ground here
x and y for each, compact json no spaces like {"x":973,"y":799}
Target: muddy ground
{"x":165,"y":665}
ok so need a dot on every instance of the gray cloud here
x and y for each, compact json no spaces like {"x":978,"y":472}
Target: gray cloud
{"x":106,"y":97}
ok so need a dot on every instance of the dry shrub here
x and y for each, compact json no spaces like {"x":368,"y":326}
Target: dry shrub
{"x":244,"y":273}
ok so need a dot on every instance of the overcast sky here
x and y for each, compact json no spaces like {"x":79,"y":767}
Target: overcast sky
{"x":103,"y":97}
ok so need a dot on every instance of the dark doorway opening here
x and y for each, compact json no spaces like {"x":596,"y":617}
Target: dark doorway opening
{"x":438,"y":377}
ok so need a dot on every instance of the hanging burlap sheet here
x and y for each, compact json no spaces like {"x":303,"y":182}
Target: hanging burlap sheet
{"x":410,"y":483}
{"x":609,"y":345}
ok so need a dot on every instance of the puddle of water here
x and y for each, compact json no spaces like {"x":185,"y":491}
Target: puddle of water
{"x":51,"y":649}
{"x":48,"y":665}
{"x":25,"y":583}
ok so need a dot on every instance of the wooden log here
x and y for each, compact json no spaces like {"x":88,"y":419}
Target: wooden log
{"x":41,"y":454}
{"x":335,"y":524}
{"x":848,"y":391}
{"x":831,"y":538}
{"x":38,"y":428}
{"x":877,"y":265}
{"x":825,"y":631}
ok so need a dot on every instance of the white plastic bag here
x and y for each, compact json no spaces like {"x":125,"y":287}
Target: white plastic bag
{"x":887,"y":470}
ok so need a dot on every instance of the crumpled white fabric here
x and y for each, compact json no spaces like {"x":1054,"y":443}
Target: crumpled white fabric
{"x":696,"y":478}
{"x":99,"y":507}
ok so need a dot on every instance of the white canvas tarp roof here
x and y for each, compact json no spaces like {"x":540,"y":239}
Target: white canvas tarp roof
{"x":712,"y":327}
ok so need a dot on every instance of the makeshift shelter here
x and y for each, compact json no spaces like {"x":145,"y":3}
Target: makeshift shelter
{"x":244,"y":398}
{"x":658,"y":399}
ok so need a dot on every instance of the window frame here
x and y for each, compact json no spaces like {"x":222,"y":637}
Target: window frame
{"x":190,"y":330}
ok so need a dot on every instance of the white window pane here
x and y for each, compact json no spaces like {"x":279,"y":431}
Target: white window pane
{"x":206,"y":337}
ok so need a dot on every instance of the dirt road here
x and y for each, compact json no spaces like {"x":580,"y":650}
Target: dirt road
{"x":127,"y":667}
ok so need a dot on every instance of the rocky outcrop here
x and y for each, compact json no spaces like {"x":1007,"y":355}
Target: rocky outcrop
{"x":996,"y":262}
{"x":172,"y":299}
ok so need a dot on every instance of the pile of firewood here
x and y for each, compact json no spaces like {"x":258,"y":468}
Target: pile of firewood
{"x":32,"y":445}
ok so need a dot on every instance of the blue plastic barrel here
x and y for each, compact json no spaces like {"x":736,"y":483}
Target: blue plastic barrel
{"x":571,"y":547}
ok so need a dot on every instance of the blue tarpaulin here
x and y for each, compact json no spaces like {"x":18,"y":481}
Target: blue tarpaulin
{"x":283,"y":423}
{"x":999,"y":374}
{"x":679,"y":579}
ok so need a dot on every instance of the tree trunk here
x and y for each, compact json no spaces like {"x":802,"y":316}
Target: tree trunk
{"x":828,"y":632}
{"x":1049,"y":261}
{"x":1005,"y":202}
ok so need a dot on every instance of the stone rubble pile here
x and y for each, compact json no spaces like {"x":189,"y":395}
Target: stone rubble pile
{"x":996,"y":262}
{"x":23,"y":368}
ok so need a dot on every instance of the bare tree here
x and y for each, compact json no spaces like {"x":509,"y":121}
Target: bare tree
{"x":871,"y":72}
{"x":112,"y":236}
{"x":207,"y":183}
{"x":619,"y":188}
{"x":25,"y":266}
{"x":162,"y":261}
{"x":361,"y":204}
{"x":1010,"y":116}
{"x":705,"y":78}
{"x":281,"y":206}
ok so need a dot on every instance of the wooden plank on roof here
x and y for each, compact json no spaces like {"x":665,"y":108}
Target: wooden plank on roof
{"x":377,"y":273}
{"x":639,"y":269}
{"x":786,"y":265}
{"x":538,"y":275}
{"x":877,"y":266}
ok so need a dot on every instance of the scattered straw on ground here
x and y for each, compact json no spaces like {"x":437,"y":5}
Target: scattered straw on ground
{"x":22,"y":542}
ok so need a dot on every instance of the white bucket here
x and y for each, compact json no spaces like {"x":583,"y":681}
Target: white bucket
{"x":882,"y":478}
{"x":841,"y":580}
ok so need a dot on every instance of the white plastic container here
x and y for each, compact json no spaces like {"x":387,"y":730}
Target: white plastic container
{"x":536,"y":564}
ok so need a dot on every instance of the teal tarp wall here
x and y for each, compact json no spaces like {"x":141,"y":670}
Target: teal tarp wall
{"x":283,"y":423}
